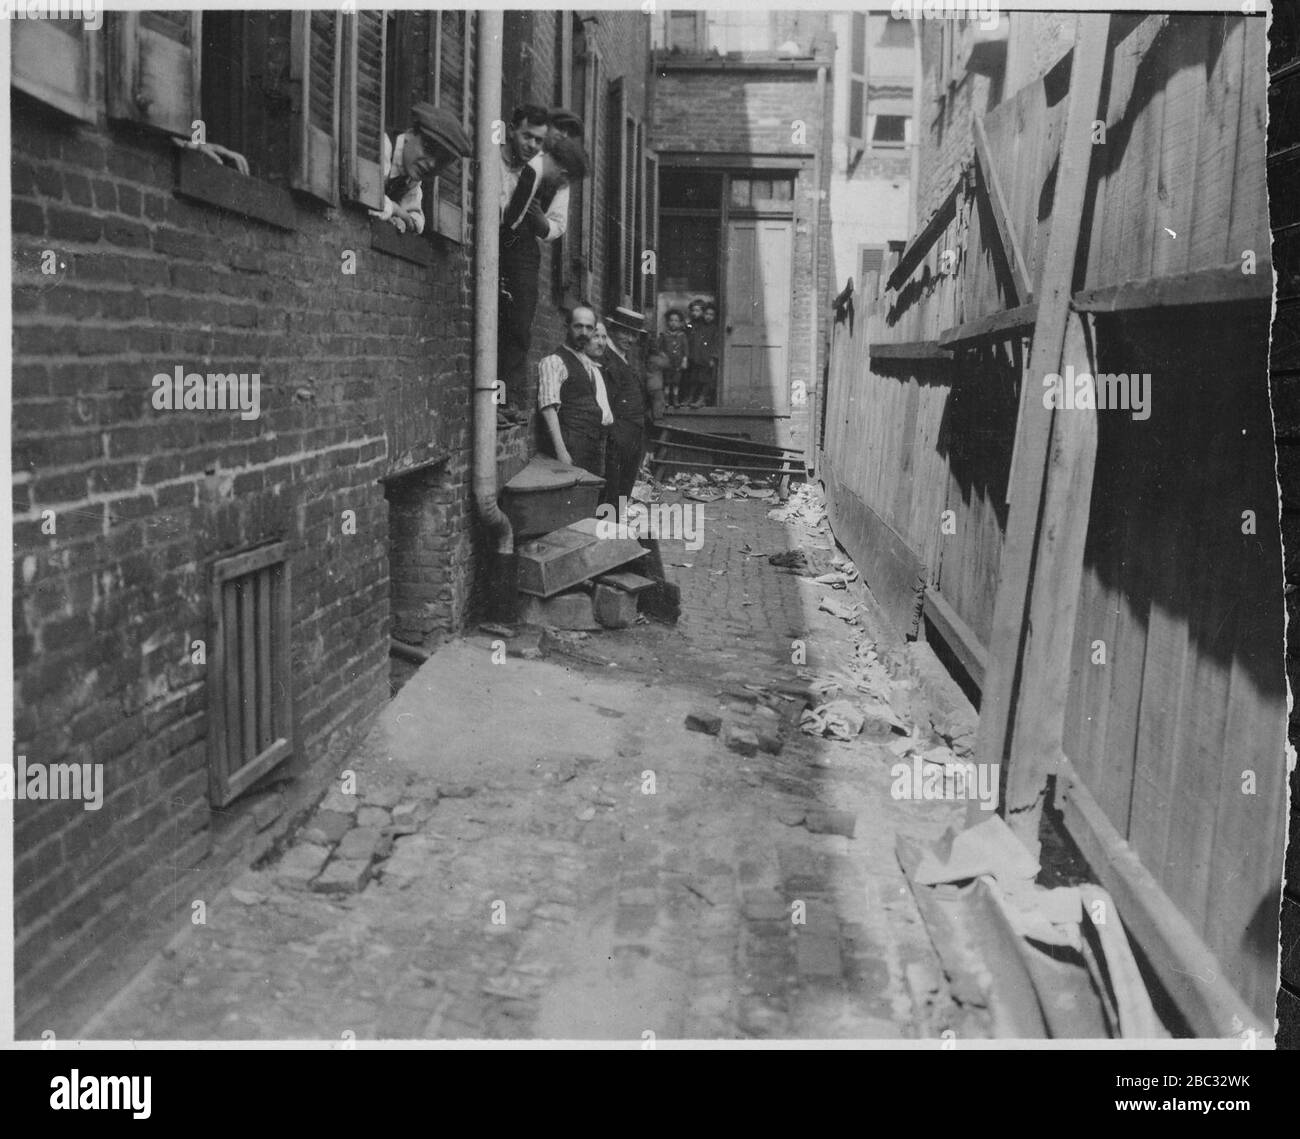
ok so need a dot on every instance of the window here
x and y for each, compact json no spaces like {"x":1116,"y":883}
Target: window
{"x":427,"y":63}
{"x":762,"y":192}
{"x":684,"y":31}
{"x":250,"y":705}
{"x":738,"y":30}
{"x":857,"y":82}
{"x":54,"y":61}
{"x":890,"y":130}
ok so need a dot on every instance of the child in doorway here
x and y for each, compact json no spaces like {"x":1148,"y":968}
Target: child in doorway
{"x":674,"y":345}
{"x":704,"y":358}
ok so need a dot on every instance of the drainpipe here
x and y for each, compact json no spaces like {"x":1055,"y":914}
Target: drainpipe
{"x":487,"y":206}
{"x":814,"y":379}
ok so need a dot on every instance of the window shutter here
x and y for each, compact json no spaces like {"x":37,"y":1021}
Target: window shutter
{"x":616,"y":194}
{"x":54,"y":61}
{"x":363,"y":119}
{"x":154,"y":70}
{"x":595,"y":149}
{"x":314,"y":67}
{"x":650,"y":230}
{"x":856,"y":132}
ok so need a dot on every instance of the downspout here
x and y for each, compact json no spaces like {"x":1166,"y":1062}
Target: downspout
{"x":487,"y":206}
{"x":819,"y":191}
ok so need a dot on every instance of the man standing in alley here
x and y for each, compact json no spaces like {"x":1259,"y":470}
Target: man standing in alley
{"x":534,"y":208}
{"x":573,"y":400}
{"x":434,"y":141}
{"x":631,"y":400}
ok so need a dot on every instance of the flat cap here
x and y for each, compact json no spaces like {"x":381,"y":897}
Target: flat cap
{"x":439,"y":125}
{"x":565,"y":120}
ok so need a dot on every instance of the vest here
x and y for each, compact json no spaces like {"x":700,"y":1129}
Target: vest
{"x":579,"y":413}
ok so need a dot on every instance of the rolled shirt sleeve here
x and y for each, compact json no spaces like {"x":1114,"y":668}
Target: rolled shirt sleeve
{"x":557,"y":215}
{"x":550,"y":375}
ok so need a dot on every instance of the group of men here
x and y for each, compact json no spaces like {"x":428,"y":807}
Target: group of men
{"x":596,"y":402}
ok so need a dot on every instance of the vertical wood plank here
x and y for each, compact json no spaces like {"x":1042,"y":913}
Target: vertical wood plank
{"x":265,"y":615}
{"x":231,"y":693}
{"x":248,"y":667}
{"x":1027,"y":773}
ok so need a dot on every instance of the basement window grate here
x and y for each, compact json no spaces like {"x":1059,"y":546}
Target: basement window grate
{"x":250,"y":701}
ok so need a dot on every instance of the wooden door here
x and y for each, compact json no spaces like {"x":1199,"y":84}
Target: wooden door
{"x":756,"y":317}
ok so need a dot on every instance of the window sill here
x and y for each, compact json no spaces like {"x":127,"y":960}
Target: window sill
{"x":200,"y":179}
{"x":413,"y":247}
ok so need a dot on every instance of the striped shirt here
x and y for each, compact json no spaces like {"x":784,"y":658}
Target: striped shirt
{"x":553,"y":371}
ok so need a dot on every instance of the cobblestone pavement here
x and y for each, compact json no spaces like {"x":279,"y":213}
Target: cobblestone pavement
{"x":540,"y":849}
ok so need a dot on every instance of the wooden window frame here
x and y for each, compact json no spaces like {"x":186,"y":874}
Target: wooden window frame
{"x":361,"y":177}
{"x":857,"y":143}
{"x":227,"y":782}
{"x":136,"y":86}
{"x":315,"y":168}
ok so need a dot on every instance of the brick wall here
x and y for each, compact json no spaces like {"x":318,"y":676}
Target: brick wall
{"x":144,"y":501}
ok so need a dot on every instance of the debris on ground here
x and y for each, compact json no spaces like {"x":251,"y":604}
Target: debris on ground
{"x":988,"y":848}
{"x":836,"y":720}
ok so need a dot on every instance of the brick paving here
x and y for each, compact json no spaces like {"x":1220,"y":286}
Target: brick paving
{"x":541,"y":849}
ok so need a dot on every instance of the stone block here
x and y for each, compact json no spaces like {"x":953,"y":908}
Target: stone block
{"x":564,"y":611}
{"x":375,"y":817}
{"x":363,"y":844}
{"x":381,"y":795}
{"x":343,"y":876}
{"x":826,"y":821}
{"x":327,"y":827}
{"x":742,"y":740}
{"x":613,"y":608}
{"x":343,"y":804}
{"x":704,"y":722}
{"x":300,"y":864}
{"x":526,"y":645}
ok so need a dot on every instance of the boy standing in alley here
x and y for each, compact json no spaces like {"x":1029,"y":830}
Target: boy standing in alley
{"x":673,"y":344}
{"x":703,"y":353}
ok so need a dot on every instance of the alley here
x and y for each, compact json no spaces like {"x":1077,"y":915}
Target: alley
{"x":570,"y":862}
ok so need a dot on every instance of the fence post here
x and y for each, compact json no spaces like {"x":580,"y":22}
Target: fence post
{"x":1029,"y":674}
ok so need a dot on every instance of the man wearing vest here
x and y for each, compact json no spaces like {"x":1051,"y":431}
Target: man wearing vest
{"x":572,"y":399}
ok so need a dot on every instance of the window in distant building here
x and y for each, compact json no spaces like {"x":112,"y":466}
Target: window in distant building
{"x":857,"y":82}
{"x":683,"y":31}
{"x":890,"y":131}
{"x":740,"y":31}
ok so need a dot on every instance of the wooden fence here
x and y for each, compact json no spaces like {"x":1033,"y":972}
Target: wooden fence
{"x":1109,"y":580}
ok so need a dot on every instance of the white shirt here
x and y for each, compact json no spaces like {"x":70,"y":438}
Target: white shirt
{"x":557,"y":214}
{"x":553,"y":371}
{"x":413,"y":200}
